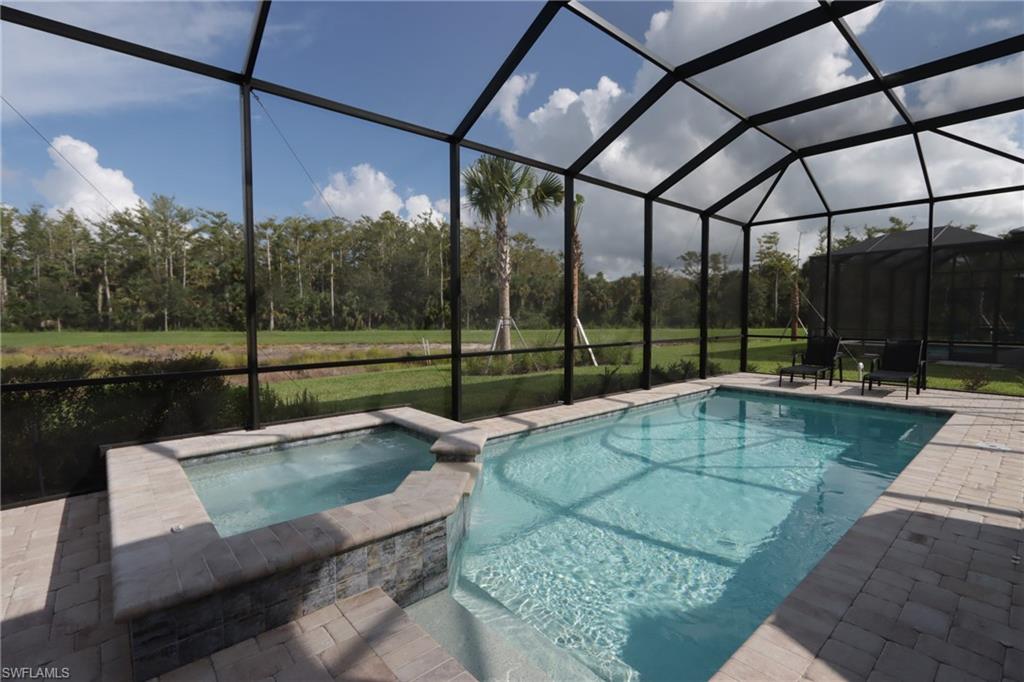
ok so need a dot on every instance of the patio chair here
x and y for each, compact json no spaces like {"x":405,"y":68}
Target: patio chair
{"x":899,"y":363}
{"x":821,"y":356}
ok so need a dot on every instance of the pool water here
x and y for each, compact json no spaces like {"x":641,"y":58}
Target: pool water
{"x":651,"y":543}
{"x":248,"y":490}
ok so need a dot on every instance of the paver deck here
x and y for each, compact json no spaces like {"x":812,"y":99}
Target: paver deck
{"x":58,"y":613}
{"x":928,"y":585}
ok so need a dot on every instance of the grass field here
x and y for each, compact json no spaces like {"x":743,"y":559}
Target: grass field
{"x":278,"y":348}
{"x":418,"y":383}
{"x":13,"y":341}
{"x":427,"y":387}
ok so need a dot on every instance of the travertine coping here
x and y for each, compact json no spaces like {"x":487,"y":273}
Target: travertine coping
{"x":154,"y":568}
{"x":561,"y":415}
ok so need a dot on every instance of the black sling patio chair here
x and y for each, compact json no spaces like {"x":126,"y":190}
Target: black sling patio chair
{"x":900,"y":362}
{"x":821,"y":357}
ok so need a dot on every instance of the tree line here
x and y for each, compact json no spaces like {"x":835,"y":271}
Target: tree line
{"x":164,"y":266}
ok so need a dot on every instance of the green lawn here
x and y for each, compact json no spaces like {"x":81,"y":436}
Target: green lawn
{"x":276,"y":348}
{"x":427,"y":387}
{"x":765,"y":355}
{"x":421,"y":383}
{"x":54,"y":339}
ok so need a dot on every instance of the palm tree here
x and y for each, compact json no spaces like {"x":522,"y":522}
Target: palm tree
{"x":577,"y":263}
{"x":496,"y":188}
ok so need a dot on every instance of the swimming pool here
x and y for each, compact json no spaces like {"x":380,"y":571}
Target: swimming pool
{"x":247,"y":490}
{"x":651,"y":543}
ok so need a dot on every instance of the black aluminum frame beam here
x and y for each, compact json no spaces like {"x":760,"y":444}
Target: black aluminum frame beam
{"x":702,"y":309}
{"x":710,"y":150}
{"x":879,"y":83}
{"x":767,"y":195}
{"x":745,"y":296}
{"x":979,"y":55}
{"x":455,"y":274}
{"x":789,"y":28}
{"x":558,"y":170}
{"x":814,"y":183}
{"x":928,"y":281}
{"x":753,"y":182}
{"x":63,"y":384}
{"x":249,"y":227}
{"x":978,"y":145}
{"x":646,"y":101}
{"x":909,"y":127}
{"x":249,"y":222}
{"x":608,"y":28}
{"x":696,"y":211}
{"x":827,"y":322}
{"x":648,"y":292}
{"x":533,"y":32}
{"x":346,"y":109}
{"x":876,"y":76}
{"x":893,"y":204}
{"x":865,"y":59}
{"x":259,"y":26}
{"x":684,"y":72}
{"x":81,"y":35}
{"x":926,"y":124}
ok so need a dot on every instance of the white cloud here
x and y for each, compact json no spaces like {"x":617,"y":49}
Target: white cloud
{"x":564,"y":125}
{"x":65,"y":190}
{"x":992,"y":25}
{"x":967,"y":88}
{"x":192,"y":29}
{"x":670,"y":133}
{"x":80,"y":78}
{"x":366,"y":191}
{"x":506,"y":103}
{"x":420,"y":205}
{"x":861,"y":19}
{"x":1005,"y":132}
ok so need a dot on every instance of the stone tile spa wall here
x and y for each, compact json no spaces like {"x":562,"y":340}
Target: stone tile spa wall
{"x":408,"y":566}
{"x":186,"y":592}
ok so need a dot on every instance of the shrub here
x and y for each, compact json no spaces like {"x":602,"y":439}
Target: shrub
{"x":975,"y":379}
{"x":50,"y":438}
{"x":519,"y":363}
{"x":681,"y":370}
{"x":612,"y":380}
{"x":274,"y":407}
{"x":64,"y":367}
{"x":607,"y":356}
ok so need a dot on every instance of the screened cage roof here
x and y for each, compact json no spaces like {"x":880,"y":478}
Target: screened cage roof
{"x":751,"y":112}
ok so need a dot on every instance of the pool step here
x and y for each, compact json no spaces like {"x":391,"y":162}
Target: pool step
{"x":482,"y":649}
{"x":364,"y":637}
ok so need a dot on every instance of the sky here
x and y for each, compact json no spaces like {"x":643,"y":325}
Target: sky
{"x":136,"y":128}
